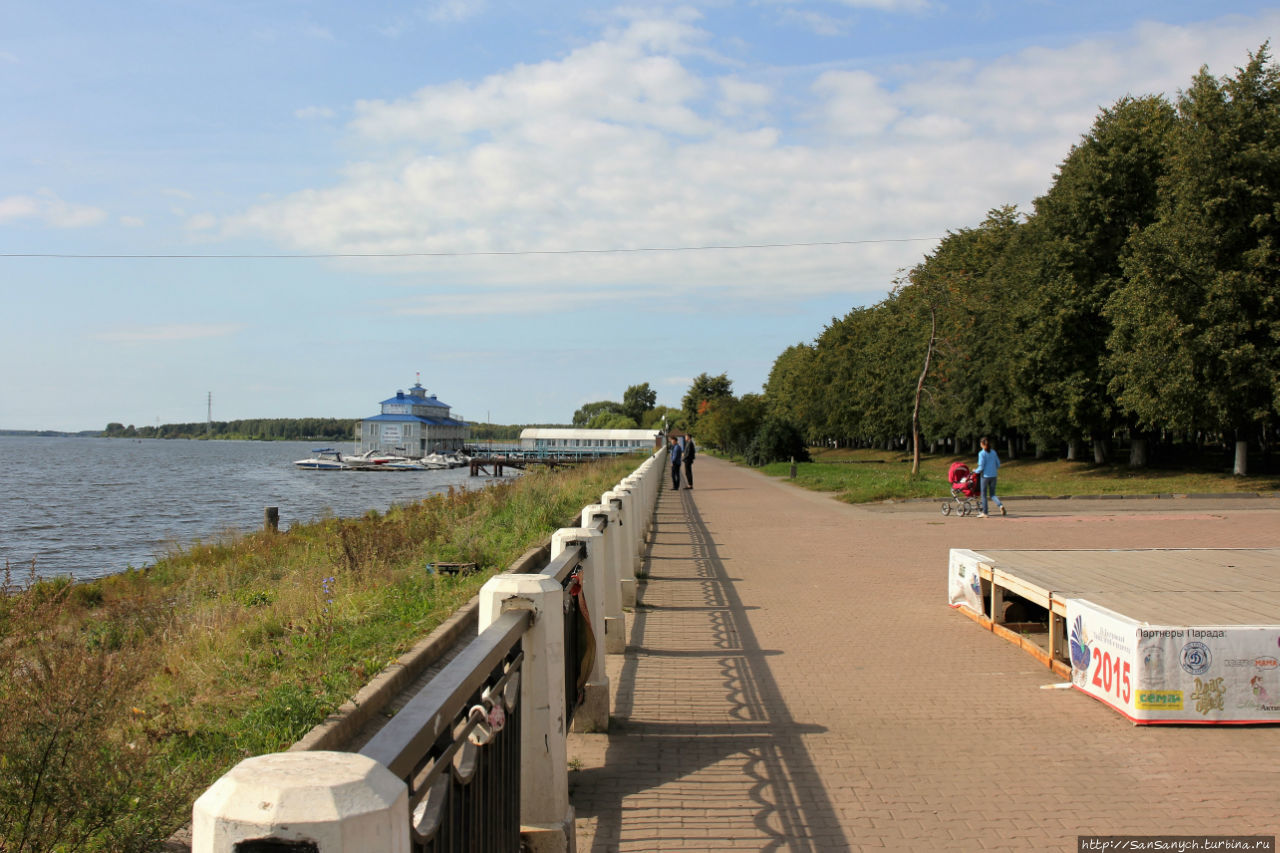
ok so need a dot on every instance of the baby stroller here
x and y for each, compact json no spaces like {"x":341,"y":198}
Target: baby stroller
{"x":964,"y":489}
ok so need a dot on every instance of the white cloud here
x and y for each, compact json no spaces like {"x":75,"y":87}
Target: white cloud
{"x":308,"y":113}
{"x":47,"y":208}
{"x":131,"y":221}
{"x":628,"y":142}
{"x":201,"y":222}
{"x":889,"y":5}
{"x":855,"y":104}
{"x":902,"y":6}
{"x":9,"y":58}
{"x":454,"y":11}
{"x":168,"y":333}
{"x":818,"y":22}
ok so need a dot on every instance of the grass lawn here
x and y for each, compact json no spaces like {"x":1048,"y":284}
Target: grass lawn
{"x":859,"y":476}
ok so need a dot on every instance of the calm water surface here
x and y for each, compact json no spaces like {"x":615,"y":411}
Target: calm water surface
{"x":87,"y":507}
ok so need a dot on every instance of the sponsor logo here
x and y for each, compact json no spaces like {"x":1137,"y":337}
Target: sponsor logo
{"x":1159,"y":700}
{"x":1196,"y":658}
{"x":1081,"y":654}
{"x":1264,"y":662}
{"x":1209,"y":696}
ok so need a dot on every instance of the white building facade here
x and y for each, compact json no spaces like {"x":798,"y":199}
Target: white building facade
{"x":598,"y":440}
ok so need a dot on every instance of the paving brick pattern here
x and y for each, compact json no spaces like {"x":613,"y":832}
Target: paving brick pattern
{"x":794,"y":680}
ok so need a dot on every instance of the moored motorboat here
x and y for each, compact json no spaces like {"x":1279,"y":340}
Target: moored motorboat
{"x":324,"y":459}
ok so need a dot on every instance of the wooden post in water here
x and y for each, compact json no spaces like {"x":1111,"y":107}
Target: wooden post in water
{"x":271,"y":519}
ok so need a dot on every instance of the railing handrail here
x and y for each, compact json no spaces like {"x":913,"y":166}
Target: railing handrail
{"x":405,"y":739}
{"x":564,"y":565}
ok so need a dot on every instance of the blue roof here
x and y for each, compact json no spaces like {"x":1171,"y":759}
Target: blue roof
{"x":415,"y":419}
{"x":414,"y":401}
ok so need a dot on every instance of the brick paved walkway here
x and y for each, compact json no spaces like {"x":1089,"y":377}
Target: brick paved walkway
{"x":794,"y":680}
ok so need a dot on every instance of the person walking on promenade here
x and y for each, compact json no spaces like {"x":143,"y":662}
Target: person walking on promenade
{"x":689,"y":452}
{"x":988,"y":465}
{"x":675,"y":463}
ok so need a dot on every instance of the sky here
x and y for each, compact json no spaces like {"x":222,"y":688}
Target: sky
{"x":301,"y":207}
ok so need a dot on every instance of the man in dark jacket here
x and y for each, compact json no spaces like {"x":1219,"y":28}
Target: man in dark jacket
{"x":675,"y":463}
{"x":689,"y":452}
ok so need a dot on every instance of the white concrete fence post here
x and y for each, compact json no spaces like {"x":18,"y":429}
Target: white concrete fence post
{"x":632,"y":525}
{"x":615,"y":625}
{"x":622,"y":564}
{"x":335,"y":802}
{"x":593,"y":715}
{"x":546,"y":816}
{"x":637,"y":485}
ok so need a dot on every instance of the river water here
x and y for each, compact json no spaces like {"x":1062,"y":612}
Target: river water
{"x":88,"y":507}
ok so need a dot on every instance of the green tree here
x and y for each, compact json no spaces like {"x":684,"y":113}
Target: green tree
{"x":637,"y":400}
{"x":1104,"y":191}
{"x":776,"y":441}
{"x":791,"y":394}
{"x":1197,"y":322}
{"x":704,"y":390}
{"x":588,"y":411}
{"x":730,"y":424}
{"x":653,"y":419}
{"x":971,"y":281}
{"x":612,"y":420}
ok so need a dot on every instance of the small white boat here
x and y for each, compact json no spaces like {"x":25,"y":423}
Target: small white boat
{"x":453,"y":459}
{"x":435,"y":462}
{"x":324,"y":459}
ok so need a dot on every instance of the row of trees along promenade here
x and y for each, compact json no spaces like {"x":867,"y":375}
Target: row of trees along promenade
{"x":1139,"y":298}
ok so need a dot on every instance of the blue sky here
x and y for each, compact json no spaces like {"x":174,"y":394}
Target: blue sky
{"x":483,"y":153}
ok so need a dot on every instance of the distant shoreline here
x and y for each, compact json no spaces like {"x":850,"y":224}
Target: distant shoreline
{"x":52,"y":433}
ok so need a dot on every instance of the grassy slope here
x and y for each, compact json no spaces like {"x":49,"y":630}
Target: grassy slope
{"x":234,"y":648}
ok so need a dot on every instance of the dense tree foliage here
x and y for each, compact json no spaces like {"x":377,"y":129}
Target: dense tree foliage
{"x":259,"y":429}
{"x":636,"y":410}
{"x":1139,"y":299}
{"x":589,"y":411}
{"x":704,"y":391}
{"x":638,"y":400}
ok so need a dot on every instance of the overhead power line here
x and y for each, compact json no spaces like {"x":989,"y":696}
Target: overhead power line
{"x":494,"y":253}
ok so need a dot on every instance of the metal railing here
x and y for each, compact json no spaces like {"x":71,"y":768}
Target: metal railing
{"x":456,"y":745}
{"x":481,"y":748}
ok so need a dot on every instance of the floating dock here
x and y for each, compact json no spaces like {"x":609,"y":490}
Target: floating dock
{"x":1161,"y":635}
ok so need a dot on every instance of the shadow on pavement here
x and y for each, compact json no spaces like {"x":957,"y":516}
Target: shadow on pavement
{"x":703,"y":749}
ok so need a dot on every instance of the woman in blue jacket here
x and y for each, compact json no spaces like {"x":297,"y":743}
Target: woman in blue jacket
{"x":988,"y":465}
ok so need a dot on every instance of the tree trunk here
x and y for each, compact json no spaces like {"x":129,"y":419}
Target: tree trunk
{"x":1241,"y":468}
{"x":1099,"y":451}
{"x":1138,"y":452}
{"x":1073,"y":449}
{"x":1011,"y":447}
{"x":915,"y":413}
{"x":1040,"y":451}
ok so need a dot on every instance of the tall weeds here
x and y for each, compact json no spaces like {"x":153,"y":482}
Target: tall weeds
{"x":76,"y":766}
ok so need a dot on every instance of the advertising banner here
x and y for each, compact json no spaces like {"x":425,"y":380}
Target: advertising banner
{"x":391,"y":433}
{"x":964,"y":586}
{"x":1172,"y":674}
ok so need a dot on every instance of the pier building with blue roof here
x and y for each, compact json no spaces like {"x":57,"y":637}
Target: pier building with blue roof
{"x":413,"y":424}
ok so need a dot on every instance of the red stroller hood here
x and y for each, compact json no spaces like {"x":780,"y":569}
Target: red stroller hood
{"x":957,"y":473}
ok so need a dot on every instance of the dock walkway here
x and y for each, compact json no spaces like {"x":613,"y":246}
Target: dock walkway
{"x":794,"y":680}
